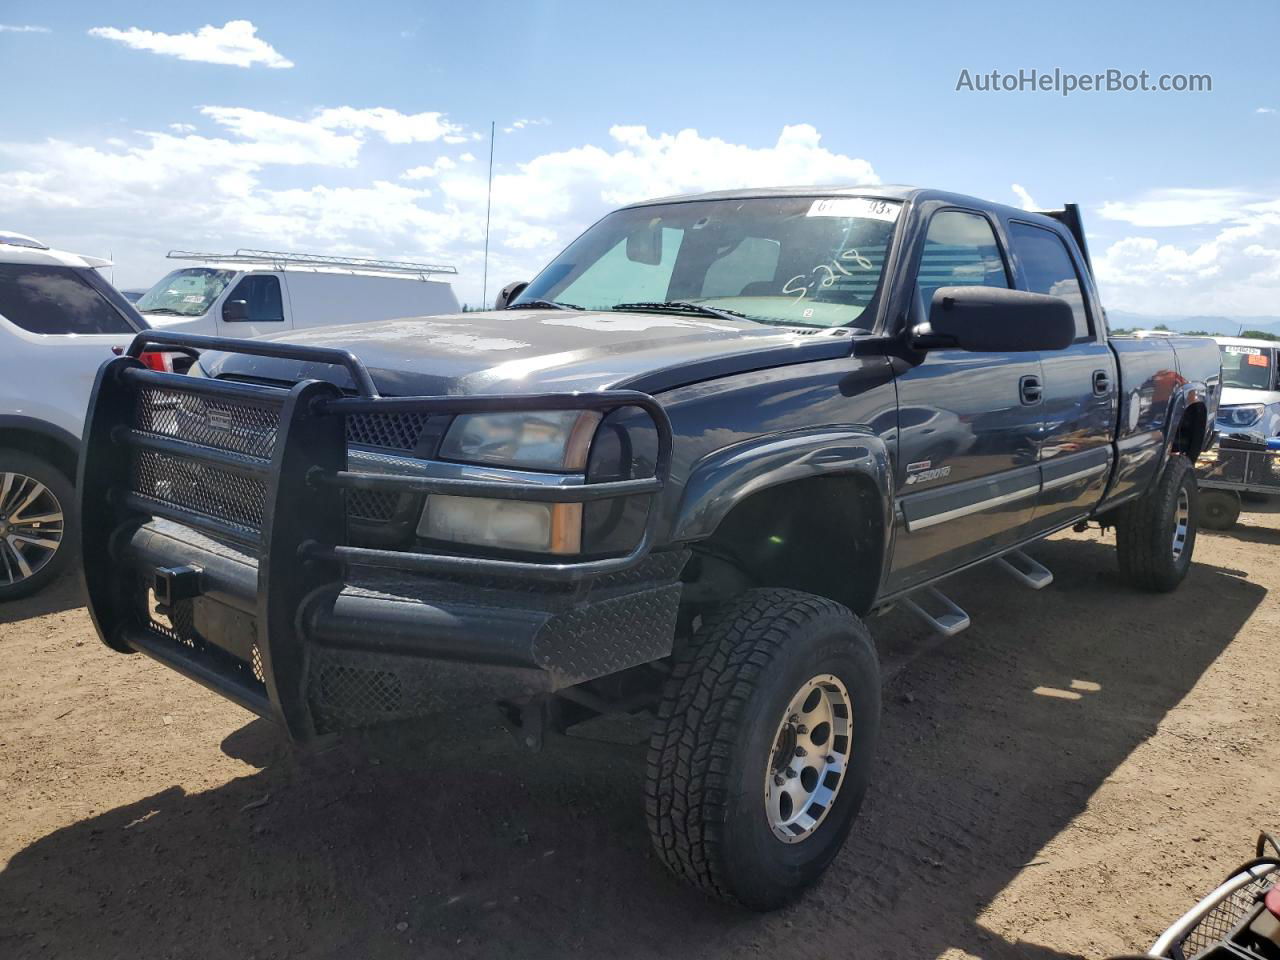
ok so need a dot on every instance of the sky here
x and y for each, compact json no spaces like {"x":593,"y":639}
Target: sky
{"x":128,"y":129}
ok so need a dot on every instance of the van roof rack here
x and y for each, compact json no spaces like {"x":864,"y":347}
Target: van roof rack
{"x":278,"y":260}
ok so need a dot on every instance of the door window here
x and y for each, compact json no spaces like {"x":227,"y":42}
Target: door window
{"x":1048,"y":268}
{"x":960,"y":249}
{"x":262,"y":293}
{"x":45,"y":299}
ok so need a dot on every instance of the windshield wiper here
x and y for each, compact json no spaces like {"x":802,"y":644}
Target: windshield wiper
{"x":168,"y":311}
{"x":542,"y":305}
{"x":682,"y":306}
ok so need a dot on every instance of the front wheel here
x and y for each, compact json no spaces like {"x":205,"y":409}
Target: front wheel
{"x":1156,"y":533}
{"x":37,"y":523}
{"x":762,"y":747}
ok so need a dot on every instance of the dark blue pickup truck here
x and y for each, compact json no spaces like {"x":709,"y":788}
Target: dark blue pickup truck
{"x":670,"y":475}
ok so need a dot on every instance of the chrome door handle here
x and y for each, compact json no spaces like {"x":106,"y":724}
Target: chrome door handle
{"x":1031,"y":390}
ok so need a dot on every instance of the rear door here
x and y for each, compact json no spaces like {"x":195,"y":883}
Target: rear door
{"x":1080,"y":382}
{"x":58,"y":325}
{"x":265,"y":307}
{"x":967,"y":475}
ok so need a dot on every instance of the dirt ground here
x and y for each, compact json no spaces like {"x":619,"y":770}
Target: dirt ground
{"x":1062,"y":780}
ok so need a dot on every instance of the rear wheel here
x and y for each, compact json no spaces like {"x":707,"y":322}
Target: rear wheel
{"x":762,"y":747}
{"x":1156,"y":534}
{"x":37,"y":523}
{"x":1219,"y":509}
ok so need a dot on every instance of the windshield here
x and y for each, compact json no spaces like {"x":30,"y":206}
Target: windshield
{"x":188,"y":292}
{"x":790,"y":260}
{"x":1248,"y":367}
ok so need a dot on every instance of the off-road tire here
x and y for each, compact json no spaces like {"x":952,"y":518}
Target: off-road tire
{"x":1219,"y":509}
{"x":715,"y":732}
{"x":1145,"y":526}
{"x":18,"y":461}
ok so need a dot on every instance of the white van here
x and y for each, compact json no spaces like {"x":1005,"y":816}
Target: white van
{"x":254,"y":292}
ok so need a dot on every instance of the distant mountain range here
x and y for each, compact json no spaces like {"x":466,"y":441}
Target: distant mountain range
{"x":1225,"y":326}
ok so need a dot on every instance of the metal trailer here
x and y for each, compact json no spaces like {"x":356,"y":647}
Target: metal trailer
{"x":1232,"y":467}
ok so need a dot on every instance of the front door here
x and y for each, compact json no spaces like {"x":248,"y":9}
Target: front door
{"x":263,"y":309}
{"x":969,"y":423}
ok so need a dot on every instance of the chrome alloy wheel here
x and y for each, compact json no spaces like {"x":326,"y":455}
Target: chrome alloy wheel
{"x":810,"y":757}
{"x":31,"y":527}
{"x":1181,"y":522}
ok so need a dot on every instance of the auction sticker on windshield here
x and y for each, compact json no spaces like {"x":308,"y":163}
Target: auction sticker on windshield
{"x":1249,"y":351}
{"x":855,"y":207}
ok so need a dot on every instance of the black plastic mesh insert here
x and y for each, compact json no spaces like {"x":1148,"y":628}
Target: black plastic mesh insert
{"x":375,"y":505}
{"x":233,"y":425}
{"x":390,"y":431}
{"x":202,"y":489}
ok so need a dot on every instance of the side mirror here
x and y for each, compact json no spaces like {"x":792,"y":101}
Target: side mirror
{"x":235,"y":310}
{"x":509,"y":293}
{"x":996,"y":320}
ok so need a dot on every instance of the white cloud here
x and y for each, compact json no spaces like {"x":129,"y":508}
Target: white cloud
{"x":25,"y":28}
{"x":1234,"y":271}
{"x":429,"y":170}
{"x":263,"y":180}
{"x":395,"y":127}
{"x":525,"y":122}
{"x":235,"y":43}
{"x":1179,"y":208}
{"x":1265,"y":110}
{"x":182,"y":127}
{"x":1024,"y":197}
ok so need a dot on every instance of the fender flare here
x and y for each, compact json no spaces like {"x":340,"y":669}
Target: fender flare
{"x":726,"y":477}
{"x":1186,"y":396}
{"x":42,"y":428}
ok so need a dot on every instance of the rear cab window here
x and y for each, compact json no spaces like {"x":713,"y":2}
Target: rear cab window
{"x":1049,"y":268}
{"x":47,"y":299}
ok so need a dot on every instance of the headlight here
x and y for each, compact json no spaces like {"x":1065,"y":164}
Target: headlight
{"x":1245,"y":415}
{"x":506,"y":524}
{"x":538,"y":440}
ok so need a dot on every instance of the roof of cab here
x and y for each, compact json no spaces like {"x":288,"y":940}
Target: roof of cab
{"x":880,"y":191}
{"x":38,"y":254}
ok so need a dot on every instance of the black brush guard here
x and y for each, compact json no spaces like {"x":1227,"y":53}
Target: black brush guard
{"x":213,"y":535}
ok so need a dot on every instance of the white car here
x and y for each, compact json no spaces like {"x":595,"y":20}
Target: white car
{"x":1250,"y":387}
{"x":254,"y":292}
{"x":59,"y":320}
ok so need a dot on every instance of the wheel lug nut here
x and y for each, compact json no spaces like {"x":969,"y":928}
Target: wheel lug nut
{"x":779,"y":779}
{"x":801,"y":752}
{"x":830,"y":759}
{"x":802,"y":729}
{"x":791,"y":773}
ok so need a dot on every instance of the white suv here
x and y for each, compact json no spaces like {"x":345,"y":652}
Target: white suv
{"x":59,"y":320}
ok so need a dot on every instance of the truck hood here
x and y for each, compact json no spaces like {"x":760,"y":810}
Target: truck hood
{"x":1238,"y":396}
{"x":530,"y":351}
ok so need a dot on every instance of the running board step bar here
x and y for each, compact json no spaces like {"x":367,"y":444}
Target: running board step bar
{"x":1025,"y":570}
{"x":949,"y":622}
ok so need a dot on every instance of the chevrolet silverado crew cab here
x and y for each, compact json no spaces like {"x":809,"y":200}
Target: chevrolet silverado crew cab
{"x":669,"y":476}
